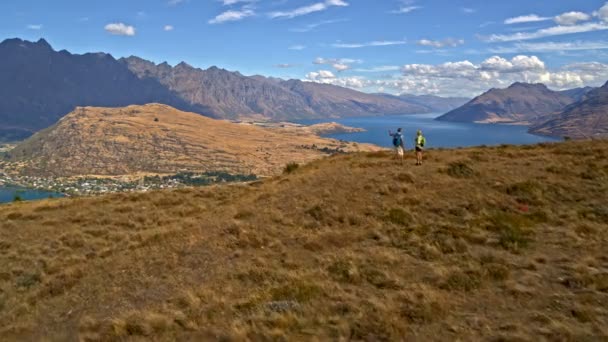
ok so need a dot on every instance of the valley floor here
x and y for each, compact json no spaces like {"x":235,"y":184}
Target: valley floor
{"x":479,"y":243}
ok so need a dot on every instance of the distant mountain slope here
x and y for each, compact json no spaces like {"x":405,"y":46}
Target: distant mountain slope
{"x":231,"y":95}
{"x":157,"y":138}
{"x":587,"y":118}
{"x":431,"y":103}
{"x":577,"y":94}
{"x":519,"y":103}
{"x":40,"y":85}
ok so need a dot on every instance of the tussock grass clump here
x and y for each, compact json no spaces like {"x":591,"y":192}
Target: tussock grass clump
{"x":344,"y":271}
{"x":291,"y":167}
{"x":528,"y":192}
{"x":297,"y":290}
{"x":460,"y":169}
{"x":467,"y":280}
{"x":422,"y":306}
{"x":405,"y":177}
{"x":514,"y":230}
{"x":399,"y":216}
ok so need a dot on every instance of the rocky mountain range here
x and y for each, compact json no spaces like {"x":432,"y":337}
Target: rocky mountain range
{"x":587,"y":118}
{"x":40,"y":85}
{"x":157,"y":138}
{"x":520,"y":103}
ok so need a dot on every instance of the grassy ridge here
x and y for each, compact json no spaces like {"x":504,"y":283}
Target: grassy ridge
{"x":505,"y":242}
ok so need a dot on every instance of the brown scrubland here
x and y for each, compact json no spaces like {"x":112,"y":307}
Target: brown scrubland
{"x":489,"y":243}
{"x":156,"y":138}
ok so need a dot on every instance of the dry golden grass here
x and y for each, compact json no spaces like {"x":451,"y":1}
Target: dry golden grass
{"x":504,"y":243}
{"x":156,"y":138}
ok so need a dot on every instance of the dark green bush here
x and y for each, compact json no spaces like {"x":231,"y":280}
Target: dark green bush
{"x":290,"y":168}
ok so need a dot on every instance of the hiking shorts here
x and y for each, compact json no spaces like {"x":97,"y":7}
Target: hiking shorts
{"x":419,"y":149}
{"x":399,"y":150}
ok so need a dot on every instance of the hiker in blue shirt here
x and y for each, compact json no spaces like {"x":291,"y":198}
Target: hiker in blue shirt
{"x":398,"y":143}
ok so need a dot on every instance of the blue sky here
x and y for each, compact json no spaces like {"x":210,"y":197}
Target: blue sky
{"x":456,"y":47}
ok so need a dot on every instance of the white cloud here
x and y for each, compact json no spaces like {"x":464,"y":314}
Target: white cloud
{"x":297,"y":47}
{"x":530,"y":18}
{"x":382,"y":68}
{"x":232,"y":15}
{"x":468,"y":10}
{"x":340,"y":64}
{"x":449,"y":42}
{"x":465,"y":78}
{"x":327,"y":77}
{"x":571,"y":18}
{"x":232,"y":2}
{"x":316,"y":7}
{"x":602,"y":13}
{"x":406,"y":9}
{"x":174,"y":2}
{"x":313,"y":26}
{"x":120,"y":29}
{"x":285,"y":65}
{"x":552,"y":47}
{"x":547,"y":32}
{"x":34,"y":27}
{"x":368,"y":44}
{"x":168,"y":28}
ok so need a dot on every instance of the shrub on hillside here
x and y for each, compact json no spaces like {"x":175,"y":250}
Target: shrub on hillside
{"x":399,"y":216}
{"x":528,"y":192}
{"x":460,"y":170}
{"x":290,"y":167}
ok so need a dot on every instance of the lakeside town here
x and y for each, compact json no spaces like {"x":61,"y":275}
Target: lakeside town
{"x":87,"y":186}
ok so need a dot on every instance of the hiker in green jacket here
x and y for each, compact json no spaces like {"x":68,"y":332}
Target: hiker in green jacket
{"x":420,"y":141}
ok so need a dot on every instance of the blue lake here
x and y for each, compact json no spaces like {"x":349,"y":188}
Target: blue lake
{"x":7,"y":194}
{"x":437,"y":133}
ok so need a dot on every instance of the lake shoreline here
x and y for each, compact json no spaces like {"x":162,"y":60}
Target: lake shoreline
{"x":439,"y":134}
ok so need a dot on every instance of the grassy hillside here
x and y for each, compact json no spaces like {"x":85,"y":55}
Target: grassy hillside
{"x":156,"y":138}
{"x":497,"y":243}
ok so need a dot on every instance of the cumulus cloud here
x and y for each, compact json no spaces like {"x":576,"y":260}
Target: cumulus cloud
{"x":168,"y":28}
{"x":340,"y":64}
{"x":602,"y":13}
{"x":232,"y":15}
{"x":449,"y":42}
{"x":120,"y":29}
{"x":368,"y":44}
{"x":571,"y":18}
{"x":327,"y":77}
{"x":304,"y":10}
{"x":530,"y":18}
{"x":465,"y":78}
